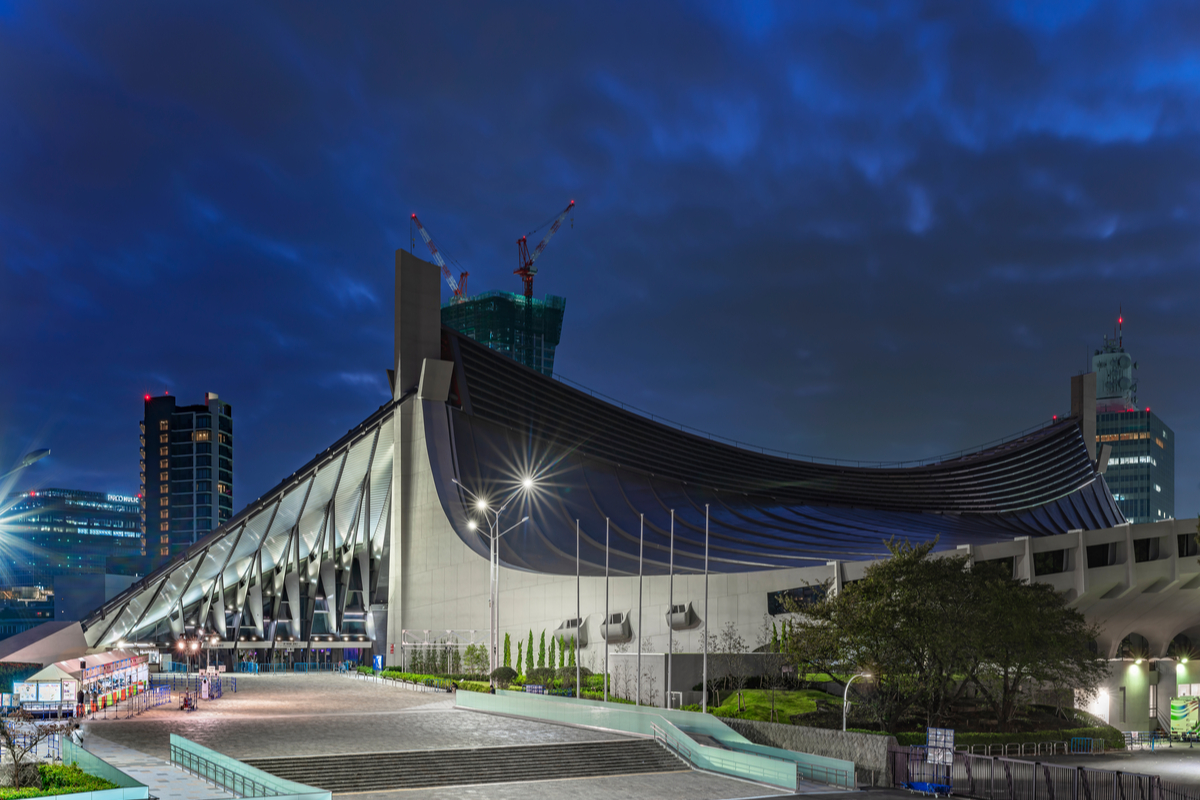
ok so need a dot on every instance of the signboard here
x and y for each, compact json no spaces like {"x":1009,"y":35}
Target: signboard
{"x":940,"y":746}
{"x":25,"y":692}
{"x":1185,"y":715}
{"x":220,"y":668}
{"x":377,"y":663}
{"x":49,"y":692}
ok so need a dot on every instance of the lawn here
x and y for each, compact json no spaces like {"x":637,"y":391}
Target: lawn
{"x":757,"y":704}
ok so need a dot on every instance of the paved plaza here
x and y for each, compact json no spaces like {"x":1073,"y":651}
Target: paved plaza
{"x":325,"y":714}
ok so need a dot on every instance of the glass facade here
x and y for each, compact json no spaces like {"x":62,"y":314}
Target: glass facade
{"x":179,"y":489}
{"x":66,"y":532}
{"x":1141,"y":467}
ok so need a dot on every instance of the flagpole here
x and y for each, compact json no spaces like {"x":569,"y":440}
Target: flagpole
{"x":705,"y":680}
{"x":578,"y":614}
{"x":670,"y":612}
{"x":641,"y":550}
{"x":606,"y":619}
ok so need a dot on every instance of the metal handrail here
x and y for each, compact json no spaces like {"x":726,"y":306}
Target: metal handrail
{"x":234,"y":781}
{"x":828,"y":775}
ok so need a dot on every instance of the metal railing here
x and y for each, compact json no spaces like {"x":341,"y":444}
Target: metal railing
{"x":1061,"y":747}
{"x":432,"y":685}
{"x":1144,"y":739}
{"x":235,"y":777}
{"x":998,"y":778}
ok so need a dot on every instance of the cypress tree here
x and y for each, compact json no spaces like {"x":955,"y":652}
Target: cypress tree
{"x":520,"y":657}
{"x":542,"y":651}
{"x":507,"y":651}
{"x":571,"y":662}
{"x":529,"y":651}
{"x":550,"y":658}
{"x":774,"y":638}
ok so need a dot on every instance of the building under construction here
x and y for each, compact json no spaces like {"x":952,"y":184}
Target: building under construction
{"x":525,"y":329}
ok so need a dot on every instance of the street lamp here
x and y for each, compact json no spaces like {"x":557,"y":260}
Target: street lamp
{"x":36,"y":455}
{"x":846,"y":697}
{"x":492,"y":521}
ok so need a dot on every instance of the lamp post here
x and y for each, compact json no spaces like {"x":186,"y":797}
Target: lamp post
{"x":493,"y":524}
{"x":31,"y":457}
{"x":846,"y":697}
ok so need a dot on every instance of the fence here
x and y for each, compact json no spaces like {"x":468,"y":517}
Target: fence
{"x":998,"y":778}
{"x":191,"y":682}
{"x":432,"y":685}
{"x":235,"y":777}
{"x":1023,"y":748}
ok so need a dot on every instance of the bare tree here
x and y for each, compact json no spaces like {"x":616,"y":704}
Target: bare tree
{"x":727,"y":651}
{"x":20,"y":737}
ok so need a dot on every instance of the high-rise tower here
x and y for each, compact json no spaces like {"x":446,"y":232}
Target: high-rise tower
{"x":1141,"y":466}
{"x":186,"y":471}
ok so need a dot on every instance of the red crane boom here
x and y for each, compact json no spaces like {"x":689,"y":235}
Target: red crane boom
{"x":526,"y":269}
{"x":459,"y":287}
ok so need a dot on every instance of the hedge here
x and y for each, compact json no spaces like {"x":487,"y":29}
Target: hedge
{"x":474,"y":686}
{"x":1112,"y":737}
{"x":59,"y":779}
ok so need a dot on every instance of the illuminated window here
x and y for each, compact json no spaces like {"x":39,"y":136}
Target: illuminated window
{"x":163,"y":451}
{"x":164,"y":540}
{"x":163,"y":438}
{"x":1157,"y":488}
{"x":1158,"y":441}
{"x":224,"y":438}
{"x":202,"y":436}
{"x":162,"y":424}
{"x":224,"y":488}
{"x":164,"y":551}
{"x":162,"y":501}
{"x":163,"y":514}
{"x":162,"y":476}
{"x":162,"y":464}
{"x":162,"y":526}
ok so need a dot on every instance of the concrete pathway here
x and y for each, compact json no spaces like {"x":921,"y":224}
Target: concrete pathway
{"x":166,"y":781}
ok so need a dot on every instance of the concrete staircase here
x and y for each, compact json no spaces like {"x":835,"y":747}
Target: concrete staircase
{"x":412,"y":769}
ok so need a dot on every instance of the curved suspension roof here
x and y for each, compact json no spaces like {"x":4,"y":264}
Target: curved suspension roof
{"x":609,"y":467}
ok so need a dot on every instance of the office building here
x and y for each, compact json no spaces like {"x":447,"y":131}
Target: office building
{"x":1141,"y":462}
{"x":186,"y":471}
{"x":523,"y":328}
{"x":65,"y":532}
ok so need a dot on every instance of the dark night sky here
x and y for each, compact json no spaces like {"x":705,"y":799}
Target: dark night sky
{"x":878,"y":232}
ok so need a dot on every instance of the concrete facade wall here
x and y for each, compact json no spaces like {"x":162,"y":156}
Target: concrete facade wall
{"x":868,"y":752}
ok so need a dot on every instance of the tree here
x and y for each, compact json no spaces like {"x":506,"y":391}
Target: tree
{"x":1026,"y":635}
{"x":20,"y":737}
{"x":476,"y":660}
{"x":542,"y":652}
{"x":727,"y":652}
{"x":529,"y":652}
{"x":571,"y":659}
{"x":550,"y":658}
{"x":520,"y":656}
{"x":928,"y":627}
{"x":507,"y":650}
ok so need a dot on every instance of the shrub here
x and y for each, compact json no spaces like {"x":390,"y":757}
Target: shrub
{"x":542,"y":675}
{"x":504,"y":674}
{"x":475,"y":686}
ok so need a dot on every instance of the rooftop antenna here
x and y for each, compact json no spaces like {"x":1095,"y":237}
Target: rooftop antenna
{"x":1120,"y":327}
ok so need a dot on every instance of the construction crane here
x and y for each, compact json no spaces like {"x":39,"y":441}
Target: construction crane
{"x":459,"y":287}
{"x":525,"y":259}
